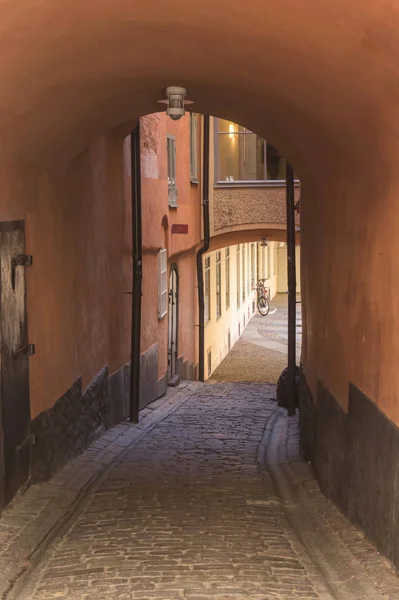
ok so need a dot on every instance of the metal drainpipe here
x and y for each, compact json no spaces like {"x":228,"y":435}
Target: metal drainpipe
{"x":290,"y":200}
{"x":137,"y":274}
{"x":204,"y":249}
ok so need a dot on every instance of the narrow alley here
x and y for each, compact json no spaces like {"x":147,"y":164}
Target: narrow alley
{"x":199,"y":217}
{"x":205,"y":499}
{"x":260,"y":355}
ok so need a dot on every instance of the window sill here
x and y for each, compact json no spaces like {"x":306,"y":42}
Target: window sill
{"x":194,"y":181}
{"x":252,"y":184}
{"x":173,"y":205}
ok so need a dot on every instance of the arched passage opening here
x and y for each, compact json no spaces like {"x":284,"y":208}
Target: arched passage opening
{"x":318,"y":81}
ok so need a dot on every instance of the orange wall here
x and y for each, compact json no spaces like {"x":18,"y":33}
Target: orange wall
{"x":78,"y":312}
{"x":78,"y":229}
{"x":349,"y":263}
{"x":157,"y":220}
{"x":155,"y":186}
{"x":188,"y":290}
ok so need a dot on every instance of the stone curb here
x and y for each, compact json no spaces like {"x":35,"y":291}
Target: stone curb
{"x":268,"y":461}
{"x":328,"y":544}
{"x":33,"y":519}
{"x":376,"y":567}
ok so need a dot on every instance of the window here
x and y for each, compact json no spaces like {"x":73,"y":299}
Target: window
{"x":248,"y":270}
{"x":209,"y":362}
{"x":238,"y":266}
{"x":259,"y":262}
{"x":244,"y":156}
{"x":227,"y":276}
{"x":275,"y":260}
{"x":243,"y":272}
{"x":253,"y":266}
{"x":194,"y":142}
{"x":207,"y":295}
{"x":171,"y":158}
{"x":218,"y":285}
{"x":162,"y":284}
{"x":266,"y":262}
{"x":229,"y":340}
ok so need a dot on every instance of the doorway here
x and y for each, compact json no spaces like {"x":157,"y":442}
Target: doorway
{"x":173,"y":314}
{"x":14,"y":373}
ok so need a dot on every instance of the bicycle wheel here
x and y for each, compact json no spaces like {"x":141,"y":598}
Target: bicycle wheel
{"x":263,"y":306}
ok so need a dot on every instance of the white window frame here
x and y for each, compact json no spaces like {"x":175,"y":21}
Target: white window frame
{"x":171,"y":163}
{"x":207,"y":289}
{"x":253,"y":266}
{"x":218,"y":284}
{"x":267,"y":262}
{"x":243,"y":273}
{"x":162,"y":283}
{"x":242,"y":131}
{"x":238,"y":275}
{"x":194,"y":142}
{"x":227,"y":278}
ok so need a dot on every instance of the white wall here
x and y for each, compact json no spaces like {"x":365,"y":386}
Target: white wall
{"x":282,"y":281}
{"x":236,"y":317}
{"x":233,"y":319}
{"x":268,"y":266}
{"x":271,"y":265}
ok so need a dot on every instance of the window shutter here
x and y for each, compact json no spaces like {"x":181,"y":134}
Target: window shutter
{"x":162,"y":284}
{"x":171,"y":158}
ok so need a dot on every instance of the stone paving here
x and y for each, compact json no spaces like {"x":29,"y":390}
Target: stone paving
{"x":207,"y":498}
{"x":250,"y":363}
{"x":35,"y":518}
{"x":274,"y":327}
{"x":260,"y":355}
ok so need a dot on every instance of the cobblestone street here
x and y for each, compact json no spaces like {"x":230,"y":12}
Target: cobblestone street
{"x":260,"y":355}
{"x":206,"y":498}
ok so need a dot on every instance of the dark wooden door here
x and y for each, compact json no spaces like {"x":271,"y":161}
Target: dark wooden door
{"x":14,"y":374}
{"x":173,"y":315}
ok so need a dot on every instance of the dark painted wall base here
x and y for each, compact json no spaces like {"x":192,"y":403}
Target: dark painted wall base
{"x":151,"y":387}
{"x":187,"y":370}
{"x":80,"y":416}
{"x":356,"y":458}
{"x":66,"y":429}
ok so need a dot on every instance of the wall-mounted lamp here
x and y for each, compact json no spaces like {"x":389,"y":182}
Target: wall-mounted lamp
{"x":232,"y":130}
{"x":175,"y":102}
{"x":264,"y":242}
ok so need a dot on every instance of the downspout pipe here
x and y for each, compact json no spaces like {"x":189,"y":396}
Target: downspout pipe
{"x":291,"y":268}
{"x":137,"y":275}
{"x":203,"y":249}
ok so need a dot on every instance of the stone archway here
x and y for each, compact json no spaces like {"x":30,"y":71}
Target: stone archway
{"x":317,"y":80}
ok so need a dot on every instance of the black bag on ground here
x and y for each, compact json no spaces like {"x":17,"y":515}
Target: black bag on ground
{"x":282,"y":388}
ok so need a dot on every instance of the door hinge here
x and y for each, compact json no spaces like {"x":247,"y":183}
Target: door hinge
{"x":27,"y":350}
{"x":23,"y":260}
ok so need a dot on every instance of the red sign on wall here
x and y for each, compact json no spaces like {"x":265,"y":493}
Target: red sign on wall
{"x":179,"y":228}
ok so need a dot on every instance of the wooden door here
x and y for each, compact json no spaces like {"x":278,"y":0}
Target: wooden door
{"x":14,"y":374}
{"x":173,"y":312}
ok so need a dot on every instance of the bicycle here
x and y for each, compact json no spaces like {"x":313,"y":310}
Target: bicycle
{"x":262,"y":298}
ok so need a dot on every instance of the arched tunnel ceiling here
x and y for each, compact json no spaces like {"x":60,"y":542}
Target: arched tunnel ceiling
{"x":316,"y":78}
